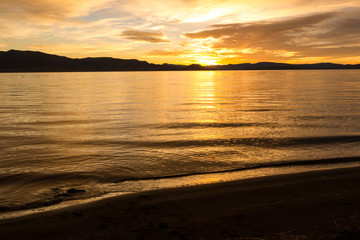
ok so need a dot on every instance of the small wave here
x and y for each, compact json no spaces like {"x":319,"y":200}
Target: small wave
{"x":36,"y":204}
{"x":43,"y":179}
{"x":325,"y":117}
{"x":34,"y":190}
{"x":13,"y":128}
{"x":205,"y":103}
{"x":259,"y":110}
{"x":258,"y":142}
{"x":208,"y":125}
{"x":63,"y":122}
{"x":343,"y":160}
{"x":57,"y":193}
{"x":58,"y":178}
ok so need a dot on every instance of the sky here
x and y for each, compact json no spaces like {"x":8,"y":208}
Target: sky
{"x":206,"y":32}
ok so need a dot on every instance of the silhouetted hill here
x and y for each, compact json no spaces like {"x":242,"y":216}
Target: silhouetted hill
{"x":282,"y":66}
{"x":29,"y":61}
{"x":195,"y":67}
{"x":174,"y":66}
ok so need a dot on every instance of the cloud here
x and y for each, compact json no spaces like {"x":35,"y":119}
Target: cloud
{"x":317,"y":35}
{"x":47,"y":10}
{"x":165,"y":53}
{"x":240,"y":35}
{"x":80,"y":50}
{"x":145,"y":36}
{"x":176,"y":11}
{"x":160,"y":11}
{"x":239,"y":29}
{"x":226,"y":11}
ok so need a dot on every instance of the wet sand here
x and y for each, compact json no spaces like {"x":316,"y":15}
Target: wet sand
{"x":312,"y":205}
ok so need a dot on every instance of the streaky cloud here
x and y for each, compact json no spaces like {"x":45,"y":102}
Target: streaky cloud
{"x":317,"y":35}
{"x":167,"y":52}
{"x":145,"y":36}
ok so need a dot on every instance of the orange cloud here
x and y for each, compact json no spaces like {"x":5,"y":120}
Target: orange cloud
{"x":145,"y":36}
{"x":226,"y":11}
{"x":167,"y":53}
{"x":335,"y":34}
{"x":239,"y":30}
{"x":49,"y":10}
{"x":240,"y":35}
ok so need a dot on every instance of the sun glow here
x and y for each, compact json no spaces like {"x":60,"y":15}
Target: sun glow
{"x":208,"y":15}
{"x":207,"y":61}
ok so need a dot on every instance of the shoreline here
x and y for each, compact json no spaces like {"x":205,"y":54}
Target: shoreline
{"x":322,"y":204}
{"x":55,"y":63}
{"x":188,"y":70}
{"x":186,"y":180}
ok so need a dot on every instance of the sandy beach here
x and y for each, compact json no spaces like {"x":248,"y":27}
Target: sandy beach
{"x":312,"y":205}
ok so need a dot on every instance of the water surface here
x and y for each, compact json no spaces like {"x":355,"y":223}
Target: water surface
{"x":97,"y":131}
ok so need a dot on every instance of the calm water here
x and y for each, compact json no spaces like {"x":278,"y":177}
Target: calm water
{"x":97,"y":131}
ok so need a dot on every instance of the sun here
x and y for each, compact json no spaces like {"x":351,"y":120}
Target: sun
{"x":207,"y":61}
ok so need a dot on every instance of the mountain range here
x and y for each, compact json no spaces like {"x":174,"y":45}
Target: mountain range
{"x":30,"y":61}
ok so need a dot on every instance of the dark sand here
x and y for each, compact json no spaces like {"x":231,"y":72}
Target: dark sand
{"x":313,"y":205}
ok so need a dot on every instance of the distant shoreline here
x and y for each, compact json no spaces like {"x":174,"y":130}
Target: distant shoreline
{"x":14,"y":61}
{"x":201,"y":70}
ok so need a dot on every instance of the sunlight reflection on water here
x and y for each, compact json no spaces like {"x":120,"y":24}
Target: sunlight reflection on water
{"x":86,"y":130}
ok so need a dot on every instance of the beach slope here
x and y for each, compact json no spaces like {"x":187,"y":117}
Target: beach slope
{"x":312,"y":205}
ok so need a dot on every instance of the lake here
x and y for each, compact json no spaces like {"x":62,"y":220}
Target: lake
{"x":66,"y":136}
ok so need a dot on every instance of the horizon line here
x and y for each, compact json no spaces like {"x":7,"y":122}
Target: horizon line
{"x":36,"y":51}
